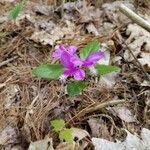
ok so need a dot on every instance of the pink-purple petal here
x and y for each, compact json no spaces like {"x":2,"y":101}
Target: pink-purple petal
{"x":62,"y":47}
{"x":57,"y":53}
{"x":69,"y":71}
{"x":65,"y":60}
{"x":72,"y":49}
{"x":76,"y":61}
{"x":93,"y":58}
{"x":59,"y":49}
{"x":79,"y":74}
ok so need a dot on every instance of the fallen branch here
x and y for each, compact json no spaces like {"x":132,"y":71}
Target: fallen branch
{"x":95,"y":107}
{"x":134,"y":17}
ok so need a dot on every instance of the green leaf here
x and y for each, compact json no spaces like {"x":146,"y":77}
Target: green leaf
{"x":105,"y":69}
{"x":66,"y":135}
{"x":89,"y":48}
{"x":15,"y":11}
{"x":75,"y":88}
{"x":48,"y":71}
{"x":58,"y":124}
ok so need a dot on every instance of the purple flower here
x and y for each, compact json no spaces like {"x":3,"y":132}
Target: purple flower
{"x":70,"y":67}
{"x":73,"y":64}
{"x":61,"y":48}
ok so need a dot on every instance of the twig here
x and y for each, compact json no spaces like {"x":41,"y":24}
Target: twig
{"x":8,"y":61}
{"x":134,"y":17}
{"x":95,"y":107}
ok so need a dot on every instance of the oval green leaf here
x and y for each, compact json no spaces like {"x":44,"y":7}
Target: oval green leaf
{"x":48,"y":71}
{"x":89,"y":48}
{"x":75,"y":88}
{"x":105,"y":69}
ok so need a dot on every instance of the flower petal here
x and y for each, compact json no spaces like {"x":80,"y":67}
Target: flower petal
{"x":57,"y":53}
{"x":72,"y":49}
{"x":76,"y":61}
{"x":69,"y":71}
{"x":79,"y":74}
{"x":59,"y":49}
{"x":65,"y":60}
{"x":93,"y":58}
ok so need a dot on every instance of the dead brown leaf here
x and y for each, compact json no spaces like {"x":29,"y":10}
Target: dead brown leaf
{"x":56,"y":34}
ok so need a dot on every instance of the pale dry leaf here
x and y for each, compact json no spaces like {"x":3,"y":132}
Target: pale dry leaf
{"x":79,"y":133}
{"x":17,"y":147}
{"x":12,"y":92}
{"x":7,"y":1}
{"x":145,"y":134}
{"x":54,"y":35}
{"x":90,"y":14}
{"x":145,"y":60}
{"x":108,"y":80}
{"x":138,"y":40}
{"x":44,"y":38}
{"x":145,"y":83}
{"x":98,"y":128}
{"x":95,"y":125}
{"x":69,"y":146}
{"x":45,"y":144}
{"x":3,"y":19}
{"x":43,"y":9}
{"x":114,"y":6}
{"x":2,"y":85}
{"x":8,"y":136}
{"x":102,"y":144}
{"x":123,"y":113}
{"x":111,"y":10}
{"x":107,"y":28}
{"x":132,"y":142}
{"x":92,"y":29}
{"x":70,"y":8}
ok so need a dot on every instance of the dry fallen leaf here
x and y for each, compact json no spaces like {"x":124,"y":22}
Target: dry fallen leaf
{"x":132,"y":142}
{"x":139,"y":39}
{"x":99,"y":128}
{"x":123,"y":113}
{"x":111,"y":10}
{"x":43,"y":9}
{"x":92,"y":29}
{"x":45,"y":144}
{"x":54,"y":35}
{"x":145,"y":60}
{"x":8,"y":136}
{"x":69,"y":146}
{"x":108,"y":80}
{"x":12,"y":94}
{"x":79,"y":133}
{"x":145,"y":83}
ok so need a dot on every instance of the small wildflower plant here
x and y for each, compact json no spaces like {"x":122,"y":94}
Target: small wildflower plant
{"x":77,"y":64}
{"x":64,"y":133}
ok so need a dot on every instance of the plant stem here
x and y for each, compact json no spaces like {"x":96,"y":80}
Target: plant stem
{"x":134,"y":17}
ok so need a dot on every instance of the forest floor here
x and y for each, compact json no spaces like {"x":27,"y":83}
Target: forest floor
{"x":114,"y":107}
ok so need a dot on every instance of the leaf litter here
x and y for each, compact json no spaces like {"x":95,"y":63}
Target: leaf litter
{"x":29,"y":104}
